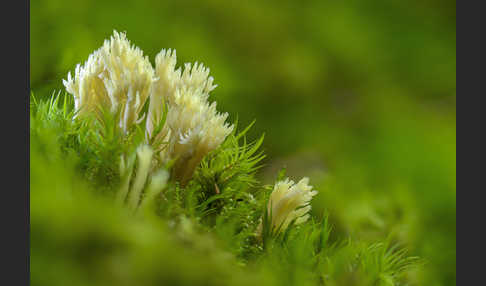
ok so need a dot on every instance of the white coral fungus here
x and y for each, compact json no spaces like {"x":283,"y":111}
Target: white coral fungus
{"x":194,"y":127}
{"x":116,"y":77}
{"x":289,"y":202}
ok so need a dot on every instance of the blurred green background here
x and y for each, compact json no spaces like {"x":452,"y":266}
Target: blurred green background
{"x":358,"y":95}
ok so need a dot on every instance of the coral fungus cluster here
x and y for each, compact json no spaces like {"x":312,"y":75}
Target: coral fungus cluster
{"x":118,"y":78}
